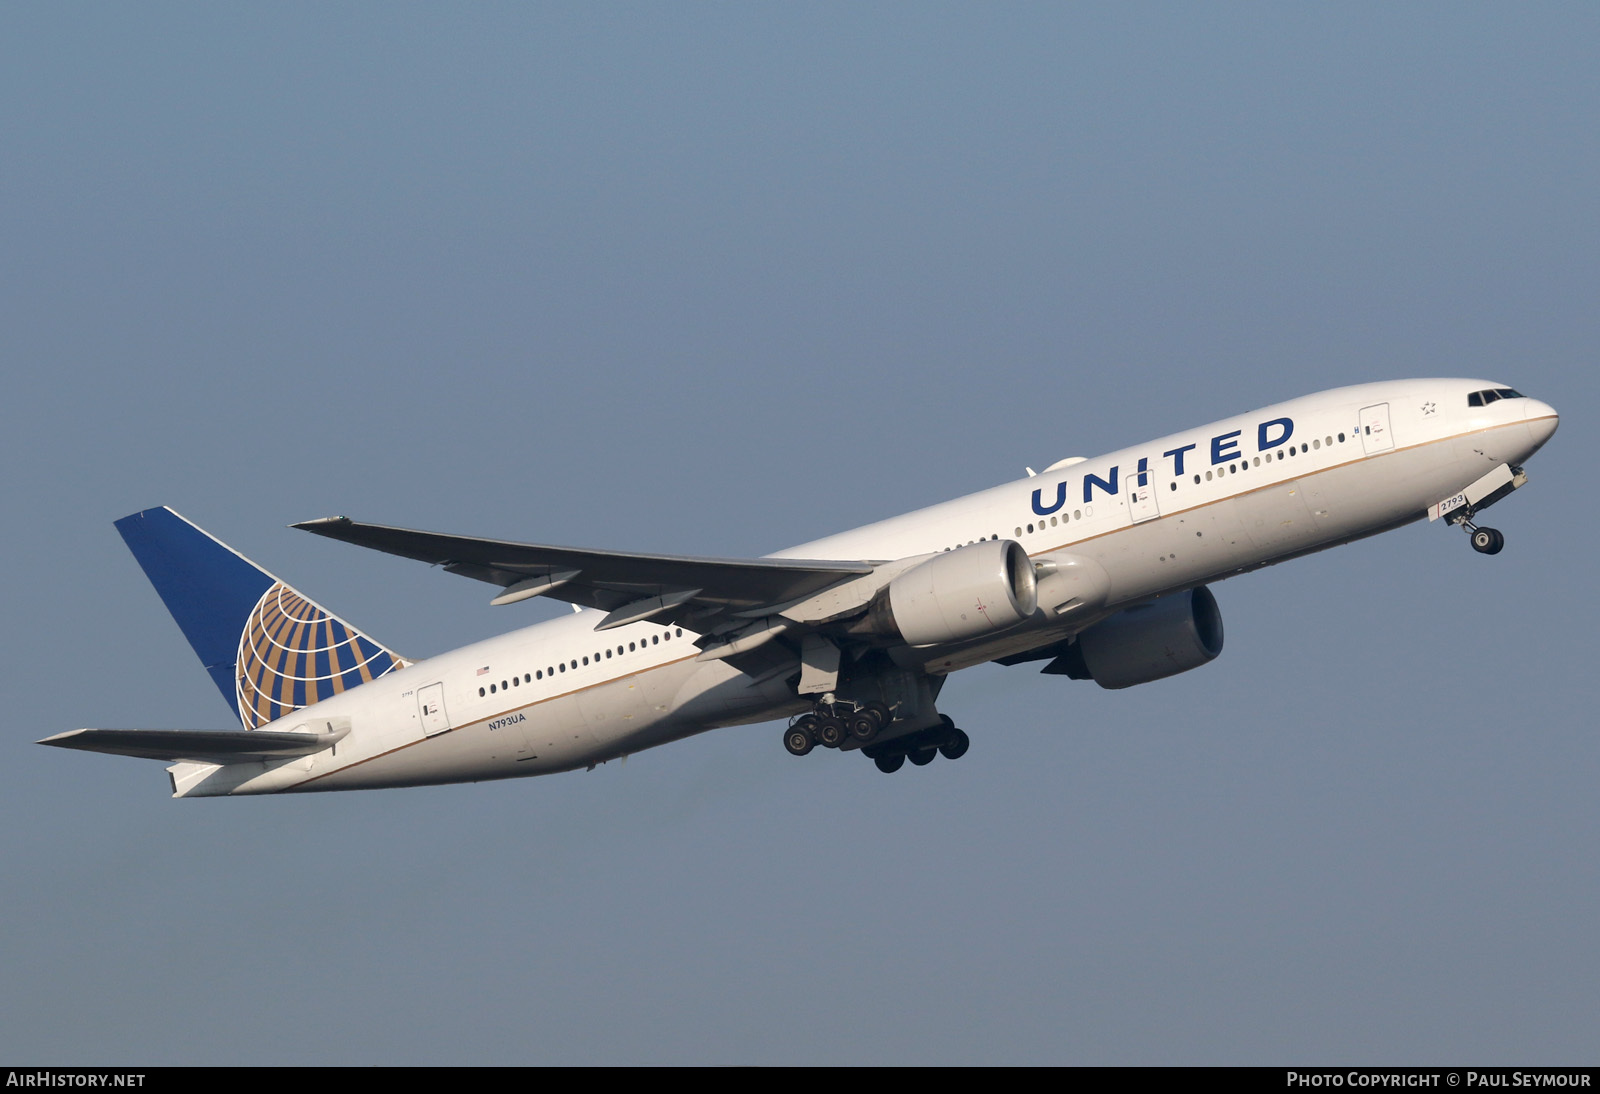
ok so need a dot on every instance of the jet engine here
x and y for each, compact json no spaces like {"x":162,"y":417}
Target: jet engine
{"x":966,"y":593}
{"x":1148,"y":642}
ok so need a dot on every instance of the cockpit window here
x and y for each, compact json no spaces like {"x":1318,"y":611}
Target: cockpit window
{"x":1489,"y":395}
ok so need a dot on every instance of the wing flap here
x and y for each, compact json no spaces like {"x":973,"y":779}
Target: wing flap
{"x":197,"y":745}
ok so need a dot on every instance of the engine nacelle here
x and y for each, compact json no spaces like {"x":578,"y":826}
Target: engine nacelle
{"x":959,"y":595}
{"x":1149,"y":642}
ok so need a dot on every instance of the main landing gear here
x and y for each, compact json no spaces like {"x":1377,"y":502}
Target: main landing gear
{"x":920,"y":748}
{"x":884,"y":712}
{"x":832,"y":724}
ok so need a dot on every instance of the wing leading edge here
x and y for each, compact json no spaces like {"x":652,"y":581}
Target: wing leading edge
{"x":629,"y":587}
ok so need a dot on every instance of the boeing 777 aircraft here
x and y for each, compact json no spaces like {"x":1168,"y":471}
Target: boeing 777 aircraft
{"x":1096,"y":567}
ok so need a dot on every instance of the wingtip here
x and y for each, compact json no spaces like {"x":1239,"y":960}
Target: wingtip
{"x":320,"y":523}
{"x":60,"y":739}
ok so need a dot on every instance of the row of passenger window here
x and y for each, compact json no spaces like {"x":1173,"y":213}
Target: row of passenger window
{"x":1283,"y":454}
{"x":597,"y":656}
{"x":1077,"y":514}
{"x":1231,"y":469}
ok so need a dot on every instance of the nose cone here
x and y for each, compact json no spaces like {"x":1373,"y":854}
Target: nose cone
{"x":1542,"y":421}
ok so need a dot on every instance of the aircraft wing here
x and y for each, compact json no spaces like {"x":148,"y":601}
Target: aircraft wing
{"x":630,"y":587}
{"x":196,"y":745}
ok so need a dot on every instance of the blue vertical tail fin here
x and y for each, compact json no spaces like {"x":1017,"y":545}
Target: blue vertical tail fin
{"x":269,"y":649}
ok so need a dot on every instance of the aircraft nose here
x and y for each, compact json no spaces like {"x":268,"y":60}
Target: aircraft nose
{"x":1542,"y":420}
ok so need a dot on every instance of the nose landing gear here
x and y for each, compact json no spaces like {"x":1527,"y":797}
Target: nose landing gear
{"x":1486,"y":541}
{"x":1460,"y":508}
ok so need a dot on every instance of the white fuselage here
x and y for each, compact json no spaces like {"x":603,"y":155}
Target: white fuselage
{"x":1160,"y":517}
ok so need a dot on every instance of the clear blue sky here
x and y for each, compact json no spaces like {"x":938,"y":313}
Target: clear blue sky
{"x":724,"y":278}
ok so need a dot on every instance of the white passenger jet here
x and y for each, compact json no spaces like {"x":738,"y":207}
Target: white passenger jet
{"x":1097,"y":567}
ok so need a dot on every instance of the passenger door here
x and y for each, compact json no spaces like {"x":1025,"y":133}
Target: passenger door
{"x":1375,"y":434}
{"x":430,"y":706}
{"x":1142,"y":503}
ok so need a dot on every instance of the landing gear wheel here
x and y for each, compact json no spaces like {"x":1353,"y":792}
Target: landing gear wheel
{"x":830,"y":731}
{"x":922,"y":757}
{"x":879,"y":713}
{"x":862,"y":726}
{"x":797,"y":740}
{"x":956,"y":747}
{"x":890,"y":764}
{"x":1487,"y":541}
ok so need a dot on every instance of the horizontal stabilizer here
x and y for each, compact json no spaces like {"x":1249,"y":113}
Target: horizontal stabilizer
{"x":197,"y":745}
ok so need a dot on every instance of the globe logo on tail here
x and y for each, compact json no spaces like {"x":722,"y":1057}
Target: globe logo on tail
{"x":293,"y":653}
